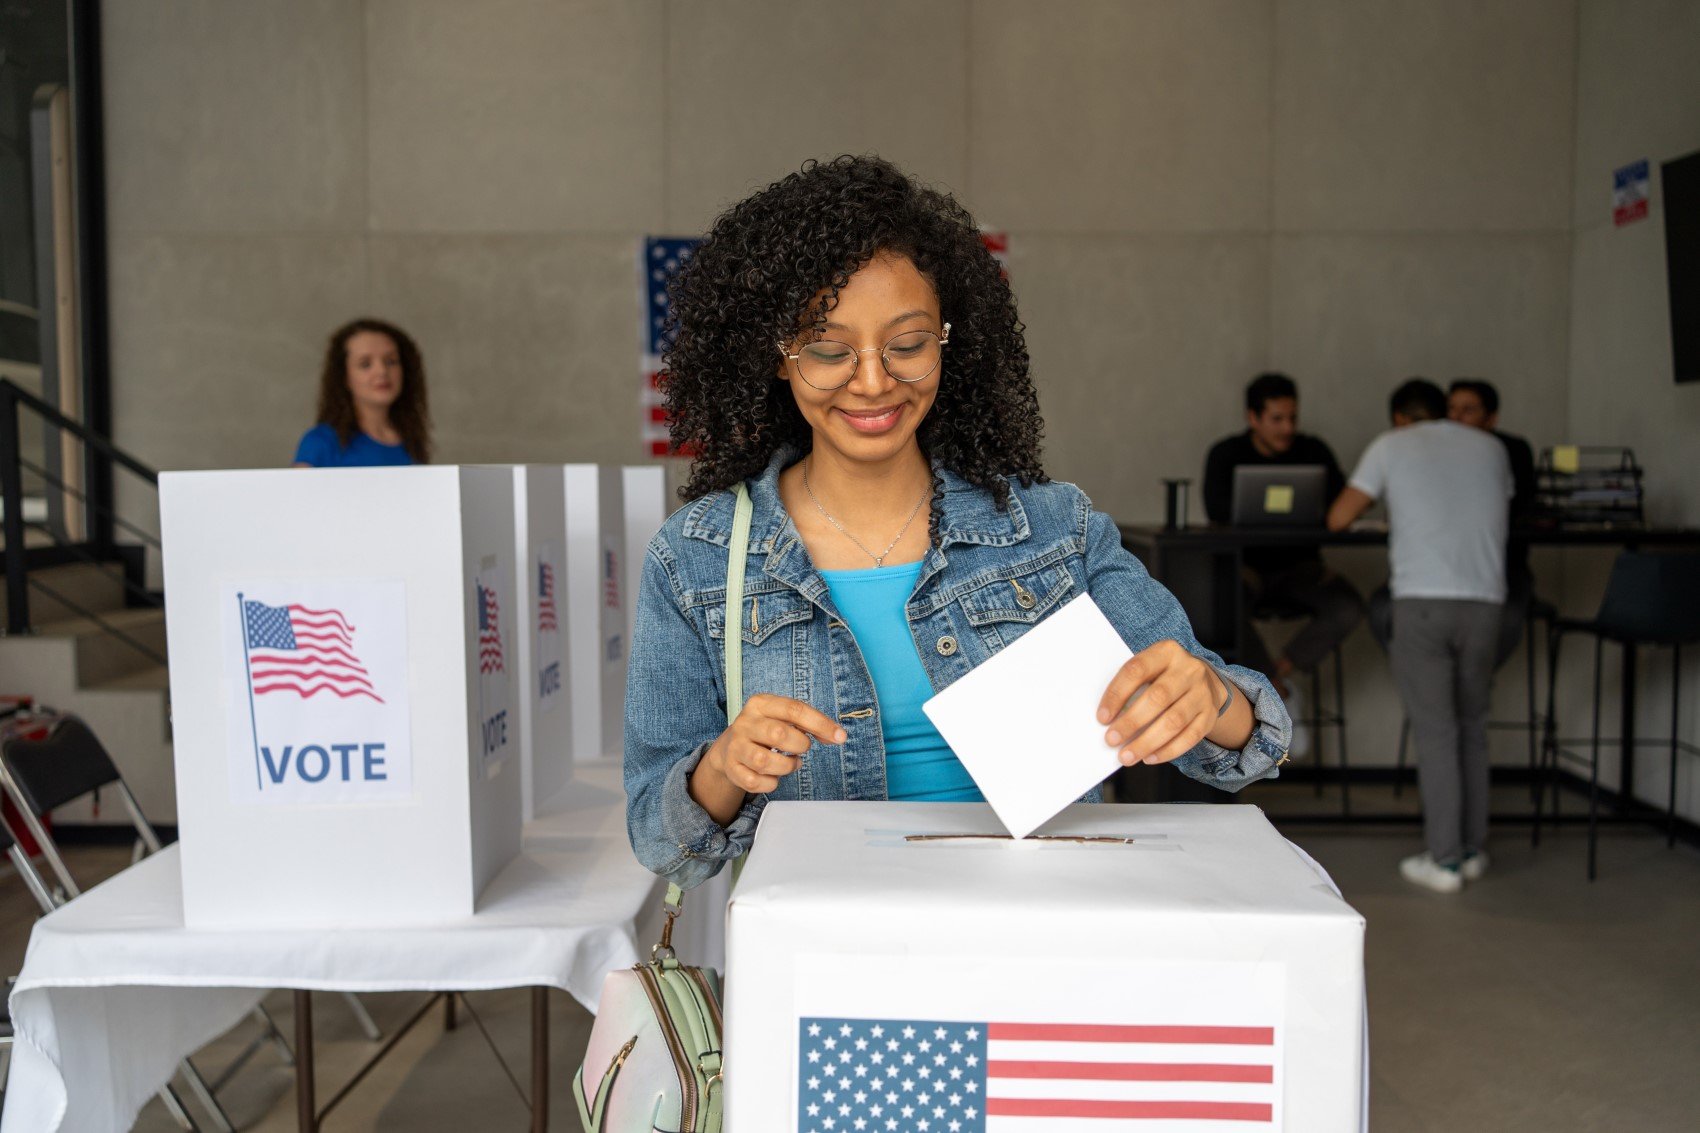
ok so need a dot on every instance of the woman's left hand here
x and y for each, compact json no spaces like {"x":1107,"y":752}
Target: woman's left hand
{"x":1176,"y":710}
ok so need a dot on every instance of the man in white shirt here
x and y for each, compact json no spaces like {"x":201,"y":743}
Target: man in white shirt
{"x":1448,"y":490}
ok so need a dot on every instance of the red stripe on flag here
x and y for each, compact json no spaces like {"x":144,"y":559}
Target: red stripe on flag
{"x":1132,"y":1071}
{"x":658,"y":414}
{"x":1150,"y":1111}
{"x":1102,"y":1033}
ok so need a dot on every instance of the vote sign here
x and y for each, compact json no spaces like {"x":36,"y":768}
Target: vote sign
{"x":547,"y":578}
{"x":317,"y":691}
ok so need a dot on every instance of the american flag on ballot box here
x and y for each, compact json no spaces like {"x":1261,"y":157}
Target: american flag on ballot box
{"x":303,"y":651}
{"x":929,"y":1076}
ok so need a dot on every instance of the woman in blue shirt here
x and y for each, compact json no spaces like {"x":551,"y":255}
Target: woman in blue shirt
{"x":372,"y":404}
{"x":846,"y":347}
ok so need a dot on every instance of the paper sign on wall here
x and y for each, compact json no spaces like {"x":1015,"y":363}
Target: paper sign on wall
{"x":316,"y":679}
{"x":1630,"y":188}
{"x":547,"y":577}
{"x":989,"y":1043}
{"x":493,"y":613}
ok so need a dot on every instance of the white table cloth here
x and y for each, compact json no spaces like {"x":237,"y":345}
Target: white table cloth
{"x":115,"y":991}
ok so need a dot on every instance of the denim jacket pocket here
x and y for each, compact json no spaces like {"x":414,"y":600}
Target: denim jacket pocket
{"x":1008,"y":606}
{"x":763,"y":615}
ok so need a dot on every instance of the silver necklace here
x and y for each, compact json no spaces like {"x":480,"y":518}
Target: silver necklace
{"x":879,"y":559}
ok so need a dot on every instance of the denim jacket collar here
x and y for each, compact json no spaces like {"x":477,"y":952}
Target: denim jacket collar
{"x":969,"y":514}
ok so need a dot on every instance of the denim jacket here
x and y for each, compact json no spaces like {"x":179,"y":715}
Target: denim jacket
{"x":994,"y":575}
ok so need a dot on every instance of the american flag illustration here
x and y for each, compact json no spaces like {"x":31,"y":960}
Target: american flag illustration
{"x":662,"y":258}
{"x":303,"y":651}
{"x":546,"y":599}
{"x":489,"y":632}
{"x":918,"y":1076}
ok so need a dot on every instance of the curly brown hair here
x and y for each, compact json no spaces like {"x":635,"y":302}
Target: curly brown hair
{"x":411,"y":414}
{"x":753,"y":283}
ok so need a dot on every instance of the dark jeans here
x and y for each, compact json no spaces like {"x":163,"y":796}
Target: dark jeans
{"x":1308,"y":589}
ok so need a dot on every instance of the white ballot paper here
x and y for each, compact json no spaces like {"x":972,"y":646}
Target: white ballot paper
{"x":1025,"y":723}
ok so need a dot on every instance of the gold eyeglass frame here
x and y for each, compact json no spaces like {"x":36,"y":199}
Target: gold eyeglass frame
{"x":944,"y":341}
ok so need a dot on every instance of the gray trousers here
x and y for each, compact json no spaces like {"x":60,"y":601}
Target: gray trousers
{"x":1443,"y":660}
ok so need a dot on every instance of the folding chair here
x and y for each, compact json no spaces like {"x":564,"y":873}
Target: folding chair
{"x":34,"y":882}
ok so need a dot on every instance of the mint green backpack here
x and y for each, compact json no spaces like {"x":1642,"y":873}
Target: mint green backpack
{"x":653,"y":1061}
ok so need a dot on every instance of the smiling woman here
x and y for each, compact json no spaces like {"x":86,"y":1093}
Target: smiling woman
{"x":372,"y":403}
{"x":847,"y":354}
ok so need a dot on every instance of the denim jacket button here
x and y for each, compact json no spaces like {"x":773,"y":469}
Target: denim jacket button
{"x":947,"y":646}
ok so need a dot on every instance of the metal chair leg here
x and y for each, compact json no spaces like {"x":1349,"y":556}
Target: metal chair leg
{"x":1545,"y":778}
{"x":203,"y":1092}
{"x":175,"y":1107}
{"x":1529,"y":680}
{"x":1594,"y":768}
{"x":363,"y":1017}
{"x":1675,"y":699}
{"x":1399,"y":766}
{"x":1314,"y":718}
{"x":1340,"y":722}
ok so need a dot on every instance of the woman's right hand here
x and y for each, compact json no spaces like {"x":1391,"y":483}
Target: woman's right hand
{"x":767,"y":741}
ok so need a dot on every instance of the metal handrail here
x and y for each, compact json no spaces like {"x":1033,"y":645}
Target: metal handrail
{"x":12,"y":464}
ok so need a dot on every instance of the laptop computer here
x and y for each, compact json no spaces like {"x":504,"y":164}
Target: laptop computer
{"x":1280,"y":495}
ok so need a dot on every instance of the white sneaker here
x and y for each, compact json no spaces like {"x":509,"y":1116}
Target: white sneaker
{"x":1421,"y":869}
{"x":1475,"y":864}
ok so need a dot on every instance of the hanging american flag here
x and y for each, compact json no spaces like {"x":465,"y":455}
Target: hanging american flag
{"x":303,"y":651}
{"x":489,"y":632}
{"x":889,"y":1075}
{"x":546,"y":622}
{"x":661,"y":259}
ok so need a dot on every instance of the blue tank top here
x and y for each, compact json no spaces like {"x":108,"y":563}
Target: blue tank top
{"x":919,"y":765}
{"x":321,"y":448}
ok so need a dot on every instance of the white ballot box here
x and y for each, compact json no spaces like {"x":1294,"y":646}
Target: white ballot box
{"x":596,"y":629}
{"x":647,"y":508}
{"x":540,"y":584}
{"x":1174,"y":967}
{"x":342,"y":664}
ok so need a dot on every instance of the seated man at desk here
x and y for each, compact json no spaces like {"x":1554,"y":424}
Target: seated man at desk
{"x":1292,"y":577}
{"x":1448,"y":490}
{"x":1475,"y":402}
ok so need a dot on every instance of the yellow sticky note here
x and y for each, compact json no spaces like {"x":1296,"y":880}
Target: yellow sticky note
{"x":1278,"y":499}
{"x":1566,"y":458}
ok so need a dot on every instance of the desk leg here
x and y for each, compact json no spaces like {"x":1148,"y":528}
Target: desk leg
{"x":306,"y":1104}
{"x":539,"y":1060}
{"x":1626,"y":760}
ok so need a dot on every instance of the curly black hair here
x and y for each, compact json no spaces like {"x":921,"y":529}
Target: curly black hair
{"x":753,"y":284}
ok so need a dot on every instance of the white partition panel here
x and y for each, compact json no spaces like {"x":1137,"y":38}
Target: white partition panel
{"x":596,"y":589}
{"x":647,"y":507}
{"x":343,"y":692}
{"x":540,"y":579}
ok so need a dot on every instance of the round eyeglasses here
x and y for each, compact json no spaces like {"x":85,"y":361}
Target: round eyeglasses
{"x":828,"y":364}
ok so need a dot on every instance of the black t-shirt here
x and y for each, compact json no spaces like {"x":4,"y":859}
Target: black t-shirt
{"x":1228,"y":454}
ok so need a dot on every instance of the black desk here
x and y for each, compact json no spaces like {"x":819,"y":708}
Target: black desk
{"x":1202,"y":566}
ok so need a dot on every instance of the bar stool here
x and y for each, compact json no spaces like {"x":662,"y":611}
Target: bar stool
{"x":1315,"y":718}
{"x":1650,"y":599}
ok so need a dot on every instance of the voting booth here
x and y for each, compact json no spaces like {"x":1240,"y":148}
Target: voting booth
{"x":1178,"y":967}
{"x":644,"y":487}
{"x":596,"y":593}
{"x":540,"y":585}
{"x":343,"y":692}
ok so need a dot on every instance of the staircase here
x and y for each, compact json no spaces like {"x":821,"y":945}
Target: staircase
{"x":91,"y":655}
{"x":83,"y":635}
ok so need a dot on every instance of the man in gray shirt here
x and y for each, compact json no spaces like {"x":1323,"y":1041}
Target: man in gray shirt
{"x":1448,"y":490}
